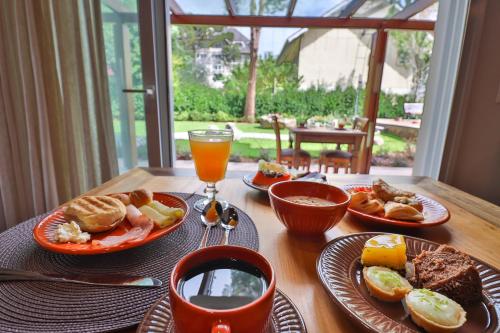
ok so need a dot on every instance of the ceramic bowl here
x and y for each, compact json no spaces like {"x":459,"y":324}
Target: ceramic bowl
{"x":308,"y":219}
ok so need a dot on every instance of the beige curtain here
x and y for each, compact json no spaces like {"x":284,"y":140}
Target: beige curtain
{"x":56,"y":135}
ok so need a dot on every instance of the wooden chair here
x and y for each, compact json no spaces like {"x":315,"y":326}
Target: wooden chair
{"x":285,"y":156}
{"x":340,"y":158}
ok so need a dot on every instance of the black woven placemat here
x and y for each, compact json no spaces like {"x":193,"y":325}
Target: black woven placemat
{"x":63,"y":307}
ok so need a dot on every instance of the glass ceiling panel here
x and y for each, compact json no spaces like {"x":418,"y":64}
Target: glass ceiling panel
{"x":319,"y":8}
{"x":253,"y":8}
{"x":199,"y":7}
{"x":382,"y":8}
{"x":430,"y":13}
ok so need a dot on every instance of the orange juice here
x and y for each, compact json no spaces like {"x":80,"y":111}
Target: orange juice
{"x":210,"y":157}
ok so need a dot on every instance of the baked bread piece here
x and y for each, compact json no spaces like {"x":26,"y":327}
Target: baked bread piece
{"x":96,"y":213}
{"x":385,"y":284}
{"x":386,"y":192}
{"x":413,"y":202}
{"x":403,"y":212}
{"x":363,"y":202}
{"x":449,"y":272}
{"x":434,"y":312}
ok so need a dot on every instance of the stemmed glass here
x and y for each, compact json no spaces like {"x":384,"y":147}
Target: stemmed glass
{"x":210,"y":150}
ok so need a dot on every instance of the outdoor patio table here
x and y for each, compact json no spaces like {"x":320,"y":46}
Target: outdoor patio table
{"x":474,"y":227}
{"x":327,"y":135}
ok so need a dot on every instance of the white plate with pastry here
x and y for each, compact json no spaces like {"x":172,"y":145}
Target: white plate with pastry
{"x":381,"y":203}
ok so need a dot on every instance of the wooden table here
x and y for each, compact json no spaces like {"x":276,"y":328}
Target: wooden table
{"x":327,"y":135}
{"x":474,"y":227}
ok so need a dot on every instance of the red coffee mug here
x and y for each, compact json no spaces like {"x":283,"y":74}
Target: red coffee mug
{"x":252,"y":317}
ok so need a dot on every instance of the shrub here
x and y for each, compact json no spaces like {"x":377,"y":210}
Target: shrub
{"x":198,"y":102}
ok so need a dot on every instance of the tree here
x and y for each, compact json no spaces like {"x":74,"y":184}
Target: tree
{"x":414,"y":49}
{"x":263,"y":6}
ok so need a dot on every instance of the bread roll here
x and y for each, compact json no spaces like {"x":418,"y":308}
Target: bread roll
{"x":96,"y":213}
{"x":141,"y":197}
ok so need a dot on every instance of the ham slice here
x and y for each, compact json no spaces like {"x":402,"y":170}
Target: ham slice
{"x":142,"y":226}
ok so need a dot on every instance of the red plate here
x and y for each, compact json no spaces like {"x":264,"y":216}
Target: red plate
{"x":434,"y":212}
{"x":45,"y":230}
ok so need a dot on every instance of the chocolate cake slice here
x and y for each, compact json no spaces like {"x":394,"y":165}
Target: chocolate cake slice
{"x":449,"y":272}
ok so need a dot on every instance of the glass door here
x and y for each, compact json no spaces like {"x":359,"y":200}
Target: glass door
{"x":129,"y":45}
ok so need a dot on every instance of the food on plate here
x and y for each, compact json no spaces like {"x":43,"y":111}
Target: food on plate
{"x":385,"y":284}
{"x":160,"y":220}
{"x":71,"y":233}
{"x":141,"y":197}
{"x":270,"y":173}
{"x":387,"y":201}
{"x":96,"y":213}
{"x":124,"y":198}
{"x":388,"y":250}
{"x":308,"y":200}
{"x":399,"y":211}
{"x":450,"y":272}
{"x":175,"y":212}
{"x":434,"y":312}
{"x":387,"y":192}
{"x":141,"y":227}
{"x":412,"y":201}
{"x":364,"y":202}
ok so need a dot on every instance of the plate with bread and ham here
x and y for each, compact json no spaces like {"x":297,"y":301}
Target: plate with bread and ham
{"x":108,"y":223}
{"x":385,"y":204}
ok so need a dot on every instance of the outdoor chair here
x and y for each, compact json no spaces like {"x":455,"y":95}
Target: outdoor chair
{"x":340,"y":158}
{"x":285,"y":156}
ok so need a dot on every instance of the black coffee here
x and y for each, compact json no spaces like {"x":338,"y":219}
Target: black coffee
{"x":223,"y":284}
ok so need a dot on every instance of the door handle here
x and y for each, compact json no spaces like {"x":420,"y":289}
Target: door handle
{"x":147,"y":91}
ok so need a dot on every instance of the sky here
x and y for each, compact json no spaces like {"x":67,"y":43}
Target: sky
{"x":271,"y":39}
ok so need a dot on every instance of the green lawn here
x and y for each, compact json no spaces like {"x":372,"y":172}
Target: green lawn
{"x":263,"y":148}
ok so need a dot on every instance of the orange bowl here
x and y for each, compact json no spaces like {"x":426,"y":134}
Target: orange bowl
{"x":308,"y":219}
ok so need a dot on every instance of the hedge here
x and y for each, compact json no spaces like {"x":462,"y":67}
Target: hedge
{"x":198,"y":102}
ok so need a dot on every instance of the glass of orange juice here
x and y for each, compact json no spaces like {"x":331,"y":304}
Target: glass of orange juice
{"x":210,"y":150}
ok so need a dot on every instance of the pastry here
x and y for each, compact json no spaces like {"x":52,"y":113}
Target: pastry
{"x":363,"y":202}
{"x":413,"y":202}
{"x":270,"y":173}
{"x":399,"y":211}
{"x":124,"y":198}
{"x":386,"y":250}
{"x":449,"y":272}
{"x":434,"y":312}
{"x":141,"y":197}
{"x":96,"y":213}
{"x":387,"y":192}
{"x":385,"y":284}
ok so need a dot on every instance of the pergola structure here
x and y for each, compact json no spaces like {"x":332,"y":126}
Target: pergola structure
{"x":379,"y":15}
{"x":354,"y":14}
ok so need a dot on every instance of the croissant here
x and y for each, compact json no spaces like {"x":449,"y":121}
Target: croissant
{"x":401,"y":211}
{"x":387,"y":192}
{"x":410,"y":202}
{"x":361,"y":201}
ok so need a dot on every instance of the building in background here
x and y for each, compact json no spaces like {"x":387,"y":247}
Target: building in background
{"x":212,"y":62}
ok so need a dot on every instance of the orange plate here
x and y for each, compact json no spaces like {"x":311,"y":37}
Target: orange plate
{"x":434,"y":212}
{"x":44,"y":231}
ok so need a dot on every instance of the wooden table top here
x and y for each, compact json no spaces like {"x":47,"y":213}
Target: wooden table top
{"x":474,"y":227}
{"x":326,"y":131}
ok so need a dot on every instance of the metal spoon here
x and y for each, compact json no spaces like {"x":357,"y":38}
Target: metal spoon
{"x":210,"y":216}
{"x":229,"y":221}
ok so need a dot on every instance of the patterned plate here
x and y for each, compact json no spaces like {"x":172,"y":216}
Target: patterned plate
{"x":285,"y":317}
{"x":434,"y":212}
{"x":45,"y":230}
{"x":247,"y":179}
{"x":340,"y":272}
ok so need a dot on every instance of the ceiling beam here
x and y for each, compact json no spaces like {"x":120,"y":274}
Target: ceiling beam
{"x":351,"y":8}
{"x":291,"y":8}
{"x":303,"y":22}
{"x":229,"y":7}
{"x":413,"y":9}
{"x":117,"y":6}
{"x":175,"y":8}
